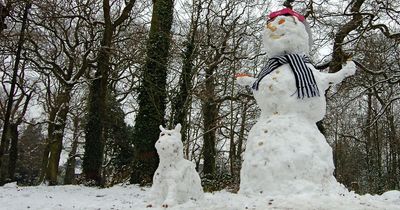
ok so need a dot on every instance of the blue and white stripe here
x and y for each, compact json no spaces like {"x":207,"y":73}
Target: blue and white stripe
{"x":305,"y":80}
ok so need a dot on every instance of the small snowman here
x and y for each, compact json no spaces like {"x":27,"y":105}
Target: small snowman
{"x":285,"y":152}
{"x":175,"y":180}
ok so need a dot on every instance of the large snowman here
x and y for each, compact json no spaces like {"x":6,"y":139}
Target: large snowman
{"x":285,"y":151}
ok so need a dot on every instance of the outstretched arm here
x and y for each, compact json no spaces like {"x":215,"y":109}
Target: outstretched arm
{"x":335,"y":78}
{"x":245,"y":79}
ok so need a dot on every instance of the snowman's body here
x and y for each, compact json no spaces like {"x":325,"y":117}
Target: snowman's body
{"x":277,"y":93}
{"x":275,"y":98}
{"x":175,"y":180}
{"x":285,"y":152}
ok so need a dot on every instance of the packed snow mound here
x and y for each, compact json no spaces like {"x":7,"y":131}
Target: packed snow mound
{"x":287,"y":154}
{"x":176,"y":180}
{"x":391,"y":196}
{"x":132,"y":197}
{"x":11,"y":185}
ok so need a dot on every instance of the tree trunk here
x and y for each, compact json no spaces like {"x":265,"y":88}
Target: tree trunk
{"x":232,"y":148}
{"x":45,"y":160}
{"x":210,"y":114}
{"x":3,"y":14}
{"x":239,"y":149}
{"x":5,"y":137}
{"x":69,"y":177}
{"x":369,"y":141}
{"x":181,"y":102}
{"x":392,"y":172}
{"x":152,"y":93}
{"x":12,"y":163}
{"x":95,"y":127}
{"x":339,"y":56}
{"x":56,"y":134}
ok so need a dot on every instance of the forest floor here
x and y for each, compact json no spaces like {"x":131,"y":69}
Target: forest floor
{"x":13,"y":197}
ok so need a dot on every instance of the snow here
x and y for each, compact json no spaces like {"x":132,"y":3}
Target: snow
{"x":176,"y":180}
{"x":285,"y":152}
{"x":285,"y":34}
{"x":133,"y":197}
{"x":287,"y":163}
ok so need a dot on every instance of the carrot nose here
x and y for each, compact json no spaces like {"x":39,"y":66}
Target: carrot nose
{"x":281,"y":21}
{"x":271,"y":27}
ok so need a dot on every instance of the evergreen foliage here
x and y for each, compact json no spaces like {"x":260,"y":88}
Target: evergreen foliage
{"x":119,"y":145}
{"x":31,"y":148}
{"x":152,"y":93}
{"x":94,"y":146}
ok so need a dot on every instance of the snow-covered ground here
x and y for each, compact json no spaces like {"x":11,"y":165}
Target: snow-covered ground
{"x":133,"y":197}
{"x":286,"y":157}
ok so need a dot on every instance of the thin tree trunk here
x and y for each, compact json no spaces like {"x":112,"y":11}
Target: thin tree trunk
{"x":13,"y":151}
{"x":45,"y":160}
{"x":13,"y":157}
{"x":69,"y":177}
{"x":393,"y":176}
{"x":369,"y":141}
{"x":239,"y":148}
{"x":5,"y":137}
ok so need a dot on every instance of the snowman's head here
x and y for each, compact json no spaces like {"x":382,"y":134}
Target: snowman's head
{"x":286,"y":32}
{"x":169,"y":144}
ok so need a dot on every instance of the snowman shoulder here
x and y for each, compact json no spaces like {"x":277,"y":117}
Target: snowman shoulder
{"x":318,"y":74}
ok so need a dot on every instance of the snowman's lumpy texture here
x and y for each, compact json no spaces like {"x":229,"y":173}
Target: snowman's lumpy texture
{"x":285,"y":152}
{"x":277,"y":94}
{"x":175,"y":180}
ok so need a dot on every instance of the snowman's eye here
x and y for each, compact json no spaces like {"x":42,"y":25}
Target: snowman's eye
{"x":162,"y":134}
{"x":169,"y":134}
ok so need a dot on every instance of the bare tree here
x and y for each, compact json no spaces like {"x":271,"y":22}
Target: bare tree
{"x":64,"y":57}
{"x":10,"y":128}
{"x":95,"y":128}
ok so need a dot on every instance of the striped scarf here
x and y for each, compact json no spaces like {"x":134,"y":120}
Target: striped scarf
{"x":305,"y":81}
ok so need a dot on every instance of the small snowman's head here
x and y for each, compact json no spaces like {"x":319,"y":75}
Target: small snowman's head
{"x":286,"y":32}
{"x":169,"y":144}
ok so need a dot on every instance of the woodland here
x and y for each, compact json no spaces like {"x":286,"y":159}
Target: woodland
{"x":85,"y":85}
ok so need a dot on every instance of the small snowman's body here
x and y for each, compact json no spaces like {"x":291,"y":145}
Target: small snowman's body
{"x":285,"y":152}
{"x":175,"y":180}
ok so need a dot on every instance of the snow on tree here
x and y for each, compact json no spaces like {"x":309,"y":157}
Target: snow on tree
{"x":285,"y":152}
